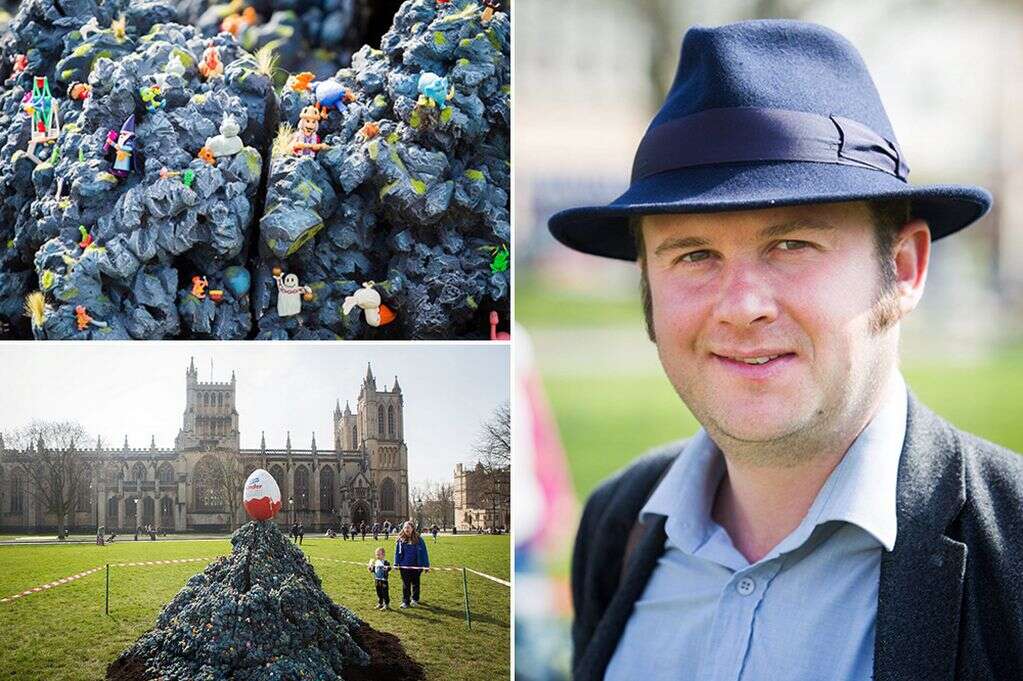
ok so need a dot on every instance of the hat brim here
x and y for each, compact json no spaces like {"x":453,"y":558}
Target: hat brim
{"x":604,"y":230}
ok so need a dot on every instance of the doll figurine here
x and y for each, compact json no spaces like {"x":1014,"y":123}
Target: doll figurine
{"x":123,"y":145}
{"x":305,"y":141}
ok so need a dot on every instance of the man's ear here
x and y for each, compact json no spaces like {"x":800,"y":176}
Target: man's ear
{"x":912,"y":253}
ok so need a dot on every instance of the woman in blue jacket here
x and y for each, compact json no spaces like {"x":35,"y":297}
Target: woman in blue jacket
{"x":409,"y":556}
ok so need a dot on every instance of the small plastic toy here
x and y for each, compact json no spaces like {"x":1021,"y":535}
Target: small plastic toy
{"x":501,"y":259}
{"x":83,"y":319}
{"x":216,"y":295}
{"x":37,"y":310}
{"x":236,"y":23}
{"x":44,"y":110}
{"x":238,"y":280}
{"x":79,"y":91}
{"x":331,"y":93}
{"x":491,"y":6}
{"x":187,"y":176}
{"x":152,"y":97}
{"x":289,"y":293}
{"x":206,"y":155}
{"x":433,"y":90}
{"x":368,"y":298}
{"x":300,"y":82}
{"x":494,"y":333}
{"x":305,"y":141}
{"x":369,"y":130}
{"x":20,"y":62}
{"x":199,"y":285}
{"x":227,"y":143}
{"x":211,"y":65}
{"x":123,"y":144}
{"x":86,"y":237}
{"x":119,"y":26}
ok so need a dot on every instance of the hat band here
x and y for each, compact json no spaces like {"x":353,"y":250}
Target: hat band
{"x":750,"y":134}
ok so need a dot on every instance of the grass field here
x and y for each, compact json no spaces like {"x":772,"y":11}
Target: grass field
{"x":63,"y":634}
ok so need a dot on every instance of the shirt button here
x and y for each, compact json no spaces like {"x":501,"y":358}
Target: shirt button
{"x":746,"y":586}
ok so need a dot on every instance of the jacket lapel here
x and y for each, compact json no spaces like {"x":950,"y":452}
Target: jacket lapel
{"x":602,"y":645}
{"x":921,"y":583}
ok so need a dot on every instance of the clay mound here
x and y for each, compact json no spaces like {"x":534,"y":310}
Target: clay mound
{"x":257,"y":614}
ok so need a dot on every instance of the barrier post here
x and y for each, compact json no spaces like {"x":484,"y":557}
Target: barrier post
{"x":106,"y":600}
{"x":465,"y":594}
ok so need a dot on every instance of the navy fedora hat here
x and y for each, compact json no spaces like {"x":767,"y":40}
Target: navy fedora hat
{"x":765,"y":113}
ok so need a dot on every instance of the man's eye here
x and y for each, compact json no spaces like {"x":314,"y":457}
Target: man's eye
{"x":695,"y":256}
{"x":792,"y":245}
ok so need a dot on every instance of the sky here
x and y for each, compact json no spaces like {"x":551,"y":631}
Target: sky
{"x":138,"y":390}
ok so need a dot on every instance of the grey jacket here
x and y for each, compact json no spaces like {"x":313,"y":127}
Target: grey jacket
{"x":950,"y":600}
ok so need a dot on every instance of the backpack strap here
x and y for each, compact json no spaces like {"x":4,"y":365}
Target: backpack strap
{"x":639,"y":528}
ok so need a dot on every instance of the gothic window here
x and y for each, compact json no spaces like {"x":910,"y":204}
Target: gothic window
{"x":138,"y":472}
{"x":166,"y":512}
{"x":208,"y":484}
{"x":17,"y":494}
{"x":327,"y":489}
{"x":355,"y":437}
{"x":380,"y":420}
{"x":390,"y":420}
{"x":301,"y":488}
{"x":148,"y":511}
{"x":387,"y":495}
{"x":205,"y":399}
{"x":84,"y":500}
{"x":282,"y":482}
{"x":165,"y":473}
{"x":220,"y":399}
{"x":111,"y":511}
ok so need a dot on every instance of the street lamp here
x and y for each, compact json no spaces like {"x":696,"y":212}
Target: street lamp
{"x":419,"y":512}
{"x":291,"y":507}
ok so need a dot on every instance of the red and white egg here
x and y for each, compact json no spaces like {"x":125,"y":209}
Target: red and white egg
{"x":262,"y":496}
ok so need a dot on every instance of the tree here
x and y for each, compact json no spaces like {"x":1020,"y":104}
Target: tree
{"x":49,"y":459}
{"x":224,"y":475}
{"x":493,"y":452}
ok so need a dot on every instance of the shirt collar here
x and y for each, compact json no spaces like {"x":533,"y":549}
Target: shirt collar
{"x":861,"y":490}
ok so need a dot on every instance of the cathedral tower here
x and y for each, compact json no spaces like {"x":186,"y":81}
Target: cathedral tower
{"x":211,"y":418}
{"x":380,"y":426}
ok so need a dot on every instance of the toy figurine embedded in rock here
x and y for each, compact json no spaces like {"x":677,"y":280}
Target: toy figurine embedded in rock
{"x":227,"y":143}
{"x":86,"y":237}
{"x":368,"y":298}
{"x":79,"y":91}
{"x":199,"y":285}
{"x":289,"y":293}
{"x":123,"y":144}
{"x":152,"y":97}
{"x":491,"y":6}
{"x":331,"y":93}
{"x":501,"y":258}
{"x":83,"y":320}
{"x":433,"y":90}
{"x":369,"y":130}
{"x":44,"y":110}
{"x":305,"y":141}
{"x":495,"y":319}
{"x":300,"y":81}
{"x":211,"y":65}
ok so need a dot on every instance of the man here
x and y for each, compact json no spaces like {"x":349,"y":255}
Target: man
{"x":822,"y":523}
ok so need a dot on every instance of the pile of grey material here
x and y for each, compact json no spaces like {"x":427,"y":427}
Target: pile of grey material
{"x":259,"y":613}
{"x":420,"y":208}
{"x":150,"y":233}
{"x":311,"y":35}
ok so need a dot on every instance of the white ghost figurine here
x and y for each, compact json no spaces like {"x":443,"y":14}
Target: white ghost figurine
{"x":227,"y":143}
{"x":289,"y":294}
{"x":368,"y":299}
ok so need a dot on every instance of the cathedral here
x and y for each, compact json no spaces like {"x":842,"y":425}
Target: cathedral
{"x":362,"y":476}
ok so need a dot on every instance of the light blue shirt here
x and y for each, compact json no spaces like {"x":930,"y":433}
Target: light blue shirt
{"x":806,"y":610}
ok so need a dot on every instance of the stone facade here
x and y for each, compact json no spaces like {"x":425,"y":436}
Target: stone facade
{"x":482,"y":501}
{"x":363,"y":476}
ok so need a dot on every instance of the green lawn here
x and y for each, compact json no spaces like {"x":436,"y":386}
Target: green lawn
{"x":605,"y":421}
{"x":62,"y":633}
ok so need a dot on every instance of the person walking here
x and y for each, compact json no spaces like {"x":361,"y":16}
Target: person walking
{"x":376,"y":530}
{"x":301,"y":533}
{"x":412,"y":559}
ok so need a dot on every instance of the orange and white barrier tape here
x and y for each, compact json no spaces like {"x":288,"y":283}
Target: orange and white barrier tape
{"x":45,"y":587}
{"x":398,"y":567}
{"x":142,"y":563}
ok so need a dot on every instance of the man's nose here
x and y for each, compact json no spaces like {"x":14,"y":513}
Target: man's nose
{"x":746,"y":297}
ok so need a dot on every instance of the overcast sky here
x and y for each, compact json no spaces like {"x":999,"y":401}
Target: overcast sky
{"x":138,"y":389}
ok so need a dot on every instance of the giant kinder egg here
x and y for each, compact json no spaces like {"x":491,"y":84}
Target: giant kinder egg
{"x":262,"y":496}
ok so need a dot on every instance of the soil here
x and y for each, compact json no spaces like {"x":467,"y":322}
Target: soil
{"x":388,"y":661}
